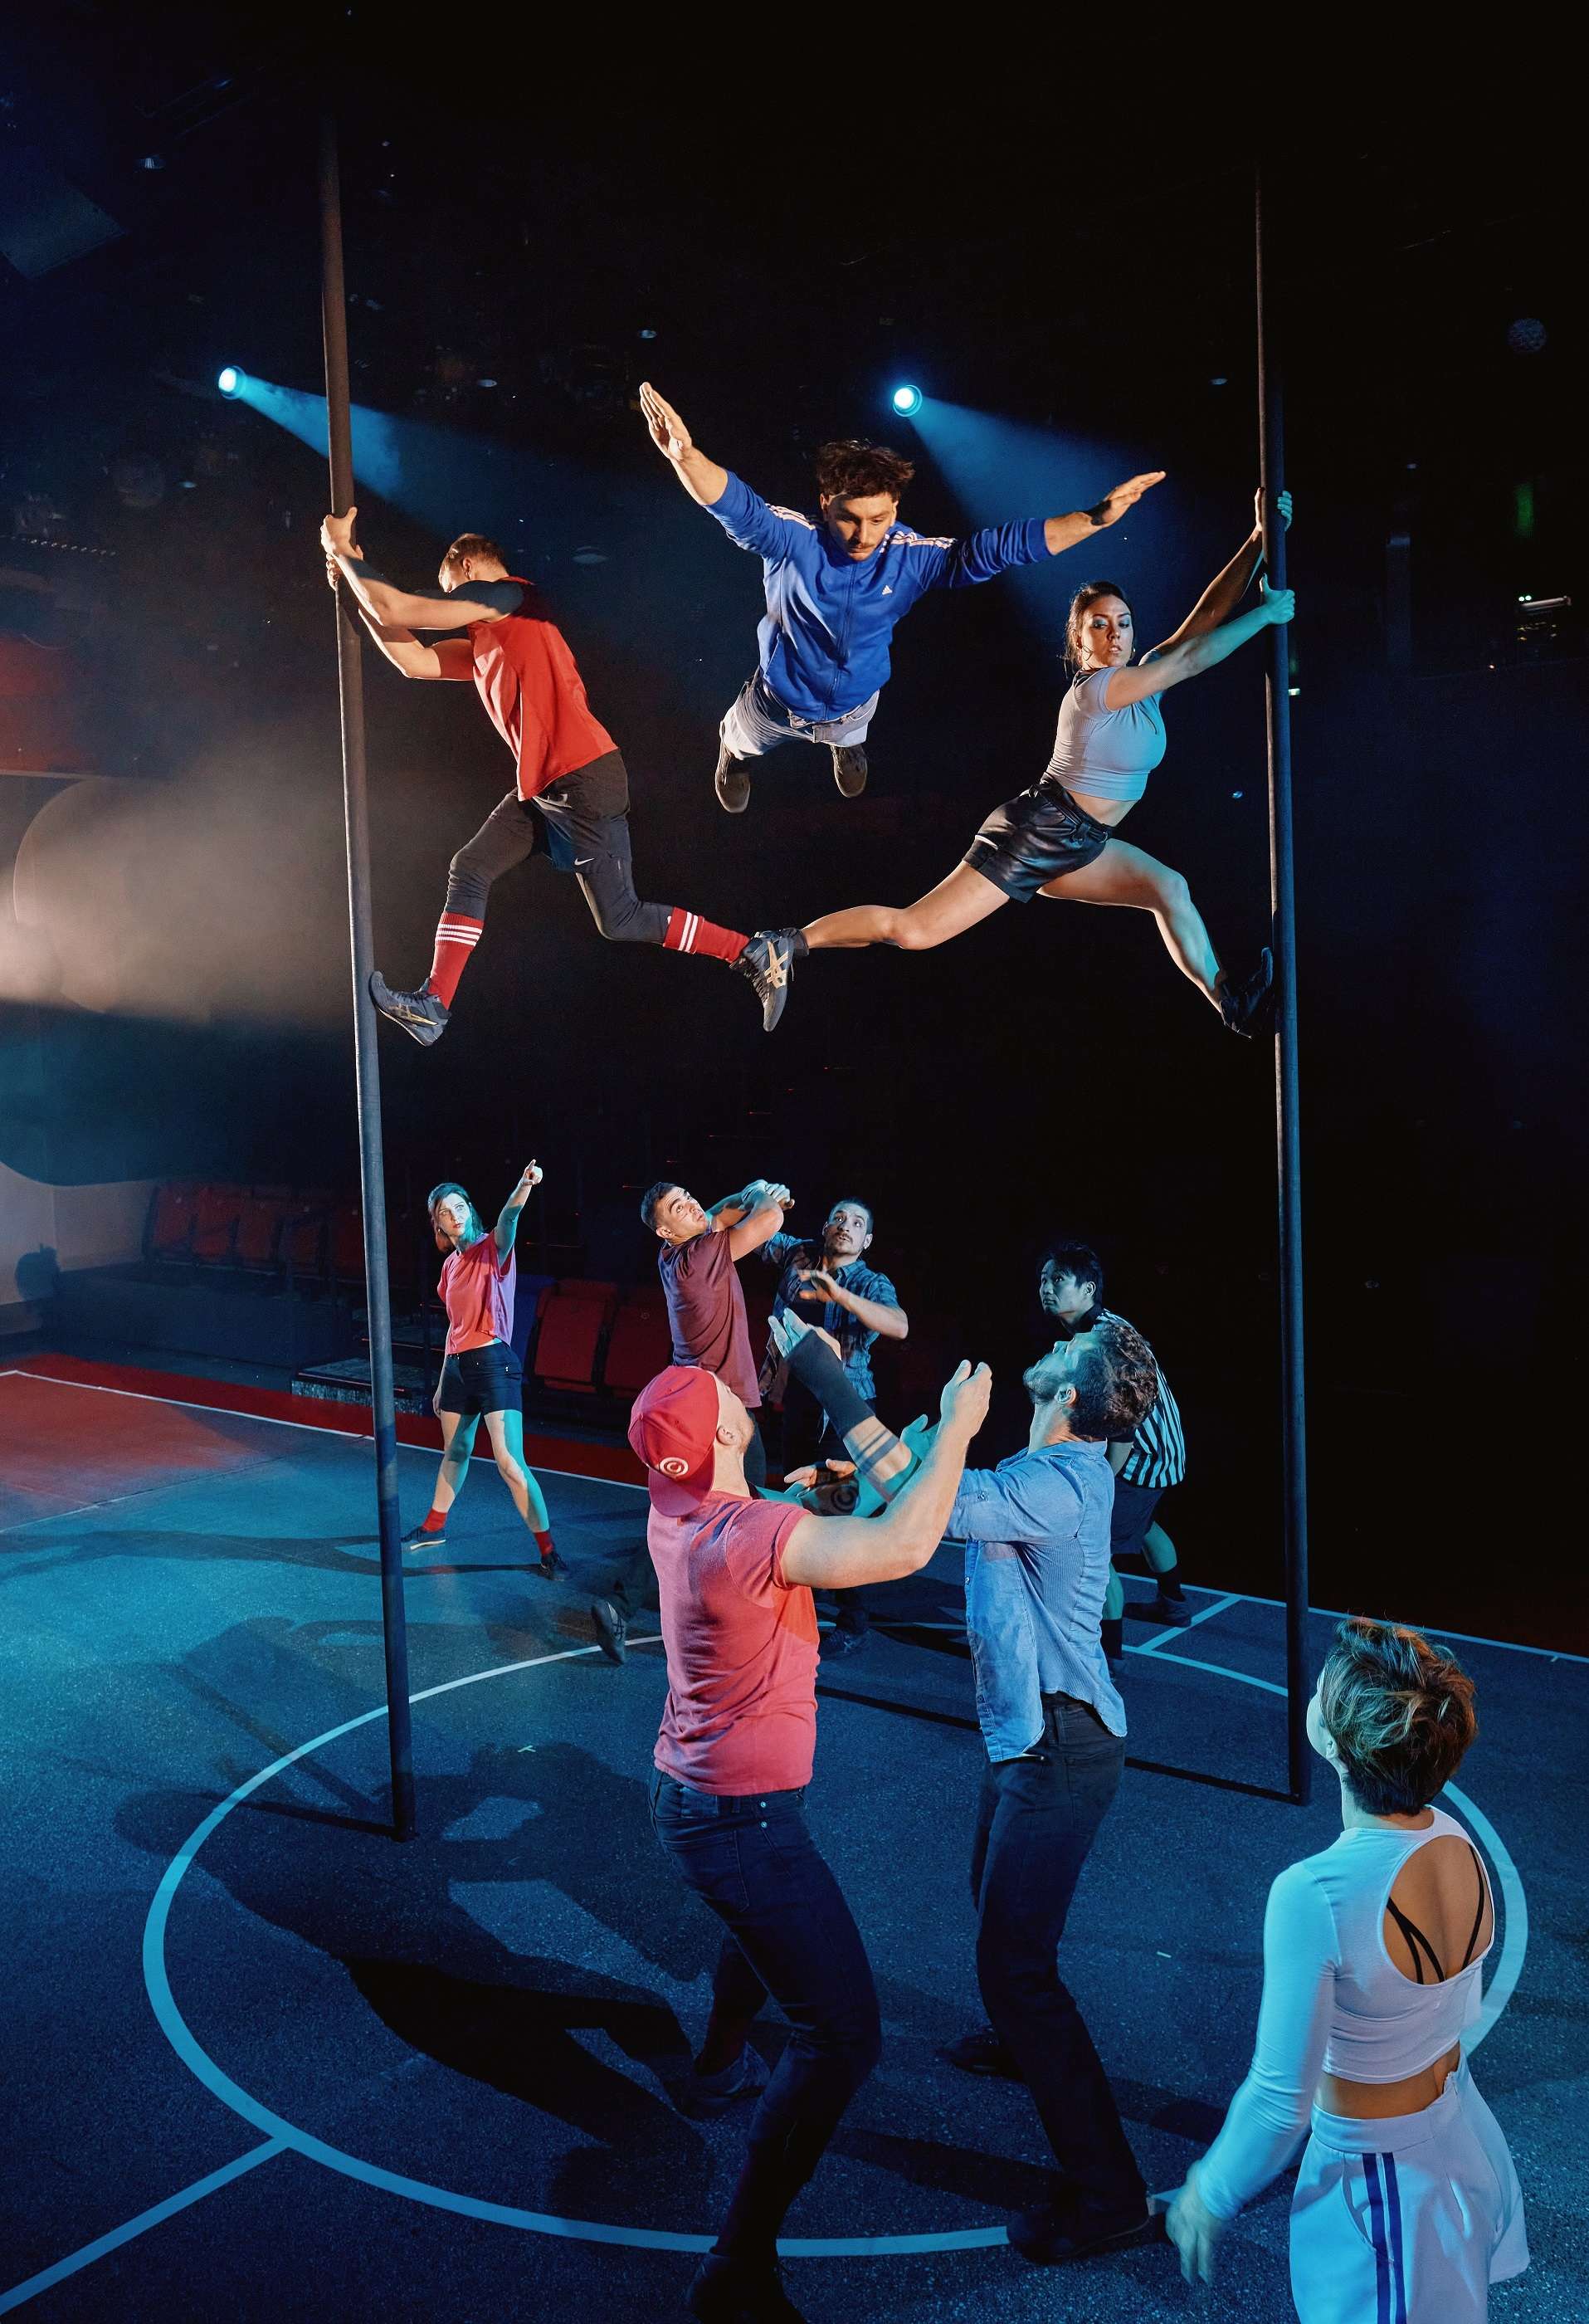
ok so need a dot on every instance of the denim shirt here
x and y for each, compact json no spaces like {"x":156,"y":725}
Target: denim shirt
{"x":1036,"y":1531}
{"x":792,"y":1253}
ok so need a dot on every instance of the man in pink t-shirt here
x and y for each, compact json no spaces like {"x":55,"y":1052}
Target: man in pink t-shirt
{"x":734,"y":1577}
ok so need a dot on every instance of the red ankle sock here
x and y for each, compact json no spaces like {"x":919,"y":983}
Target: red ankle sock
{"x":542,"y":1542}
{"x":436,"y":1522}
{"x":456,"y":936}
{"x":688,"y":932}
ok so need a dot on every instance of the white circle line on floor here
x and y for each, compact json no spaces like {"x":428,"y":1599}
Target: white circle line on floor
{"x":199,"y":2062}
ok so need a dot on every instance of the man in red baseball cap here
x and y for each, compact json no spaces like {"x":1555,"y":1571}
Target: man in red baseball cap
{"x":733,"y":1758}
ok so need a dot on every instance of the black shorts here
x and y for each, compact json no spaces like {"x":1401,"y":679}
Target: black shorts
{"x":582,"y":816}
{"x":1035,"y":838}
{"x":482,"y":1379}
{"x":1132,"y":1514}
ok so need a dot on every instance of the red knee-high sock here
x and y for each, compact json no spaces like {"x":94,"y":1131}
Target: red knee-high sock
{"x":688,"y":932}
{"x":456,"y":936}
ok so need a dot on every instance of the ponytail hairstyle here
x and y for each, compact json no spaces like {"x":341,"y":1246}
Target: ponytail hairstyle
{"x":1087,"y":596}
{"x":1399,"y":1710}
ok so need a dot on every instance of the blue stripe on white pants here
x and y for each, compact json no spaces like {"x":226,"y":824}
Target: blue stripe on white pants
{"x":1397,"y":2260}
{"x":1376,"y":2228}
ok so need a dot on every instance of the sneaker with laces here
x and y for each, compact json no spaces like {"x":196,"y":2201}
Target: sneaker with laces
{"x":1174,"y":1612}
{"x":731,"y":782}
{"x":849,"y":770}
{"x":838,"y":1642}
{"x":611,"y":1627}
{"x":1247,"y":1002}
{"x":419,"y":1537}
{"x":1057,"y":2231}
{"x":422,"y":1015}
{"x":768,"y":962}
{"x":550,"y":1568}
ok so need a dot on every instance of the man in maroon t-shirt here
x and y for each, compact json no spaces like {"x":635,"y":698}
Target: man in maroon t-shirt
{"x":734,"y":1579}
{"x":705,"y":1304}
{"x":571,"y":800}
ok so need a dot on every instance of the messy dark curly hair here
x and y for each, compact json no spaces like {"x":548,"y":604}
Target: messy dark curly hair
{"x":1115,"y":1377}
{"x":1399,"y":1710}
{"x":850,"y":470}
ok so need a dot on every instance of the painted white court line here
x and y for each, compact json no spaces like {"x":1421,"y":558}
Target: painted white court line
{"x":215,"y":2080}
{"x":1206,"y":1615}
{"x":49,"y":2276}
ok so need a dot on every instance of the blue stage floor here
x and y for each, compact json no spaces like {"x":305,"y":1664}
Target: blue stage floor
{"x":263,"y":2063}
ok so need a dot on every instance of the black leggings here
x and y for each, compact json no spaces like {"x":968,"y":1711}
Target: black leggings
{"x":582,"y":825}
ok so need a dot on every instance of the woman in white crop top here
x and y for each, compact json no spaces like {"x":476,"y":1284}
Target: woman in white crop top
{"x":1057,"y":839}
{"x":1406,"y":2207}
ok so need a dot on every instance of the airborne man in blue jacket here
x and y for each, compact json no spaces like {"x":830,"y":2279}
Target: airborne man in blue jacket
{"x":837,"y":584}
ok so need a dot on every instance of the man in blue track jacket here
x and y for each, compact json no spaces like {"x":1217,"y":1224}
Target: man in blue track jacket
{"x":837,"y":584}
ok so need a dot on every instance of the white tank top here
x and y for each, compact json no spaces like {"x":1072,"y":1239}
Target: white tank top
{"x":1109,"y":753}
{"x":1334,"y":2002}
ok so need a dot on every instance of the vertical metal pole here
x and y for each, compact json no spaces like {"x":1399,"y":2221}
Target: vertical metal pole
{"x":367,"y":1064}
{"x":1286,"y":1104}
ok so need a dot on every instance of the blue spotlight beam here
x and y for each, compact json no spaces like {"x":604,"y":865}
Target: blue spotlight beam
{"x":1287,"y":1084}
{"x":366,"y":1055}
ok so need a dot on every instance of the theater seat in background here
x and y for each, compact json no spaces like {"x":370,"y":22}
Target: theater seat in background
{"x":573,"y":1319}
{"x":640,"y":1344}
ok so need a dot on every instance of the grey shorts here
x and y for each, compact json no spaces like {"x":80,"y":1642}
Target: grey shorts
{"x":756,"y":721}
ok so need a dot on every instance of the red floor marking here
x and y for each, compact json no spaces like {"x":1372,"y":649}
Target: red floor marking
{"x":613,"y":1463}
{"x":50,"y":1445}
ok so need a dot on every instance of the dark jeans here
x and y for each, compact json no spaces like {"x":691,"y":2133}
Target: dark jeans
{"x":631,"y":1583}
{"x":788,"y":1934}
{"x":1036,"y":1819}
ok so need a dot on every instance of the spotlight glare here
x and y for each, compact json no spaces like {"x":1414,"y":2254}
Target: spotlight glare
{"x":230,"y":381}
{"x":906,"y":400}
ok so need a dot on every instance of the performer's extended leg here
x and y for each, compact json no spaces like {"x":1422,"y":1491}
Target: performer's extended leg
{"x":458,"y":1437}
{"x":506,"y":1430}
{"x":1124,"y":874}
{"x":956,"y":904}
{"x":507,"y":836}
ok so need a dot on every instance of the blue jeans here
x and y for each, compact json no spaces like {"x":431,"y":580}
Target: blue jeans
{"x":1036,"y":1819}
{"x":788,"y":1934}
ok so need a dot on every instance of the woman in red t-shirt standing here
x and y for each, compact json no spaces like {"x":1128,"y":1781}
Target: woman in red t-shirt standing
{"x":482,"y":1375}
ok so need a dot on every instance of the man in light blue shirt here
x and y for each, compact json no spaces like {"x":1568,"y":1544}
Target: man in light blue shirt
{"x":1037,"y":1566}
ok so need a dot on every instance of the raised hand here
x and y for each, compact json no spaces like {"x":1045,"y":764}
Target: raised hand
{"x":1113,"y":505}
{"x":1283,"y":503}
{"x":336,"y":534}
{"x":787,"y":1331}
{"x":816,"y":1283}
{"x":964,"y":1401}
{"x":669,"y":433}
{"x":532,"y":1176}
{"x":1279,"y":605}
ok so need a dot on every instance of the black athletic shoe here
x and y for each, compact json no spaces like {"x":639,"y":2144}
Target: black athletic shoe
{"x":982,"y":2053}
{"x":704,"y":2097}
{"x":849,"y":770}
{"x":423,"y":1018}
{"x":725,"y":2291}
{"x":839,"y":1642}
{"x":611,"y":1627}
{"x":1173,"y":1611}
{"x":1055,"y":2232}
{"x":1248,"y":1001}
{"x":417,"y":1537}
{"x":768,"y":961}
{"x":731,"y":782}
{"x":550,"y":1568}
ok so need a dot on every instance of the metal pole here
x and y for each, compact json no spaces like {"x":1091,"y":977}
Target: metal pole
{"x":367,"y":1064}
{"x":1287,"y":1095}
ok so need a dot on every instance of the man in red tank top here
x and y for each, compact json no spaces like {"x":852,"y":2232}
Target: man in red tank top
{"x":570,"y":802}
{"x":734,"y":1579}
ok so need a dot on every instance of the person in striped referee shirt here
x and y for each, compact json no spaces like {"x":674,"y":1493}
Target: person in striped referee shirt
{"x":1145,"y":1464}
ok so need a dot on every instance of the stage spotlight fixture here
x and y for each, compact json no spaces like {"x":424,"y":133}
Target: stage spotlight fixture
{"x":906,"y":400}
{"x":230,"y":381}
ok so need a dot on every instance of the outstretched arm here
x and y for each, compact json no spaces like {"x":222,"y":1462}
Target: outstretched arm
{"x":883,"y":1462}
{"x":396,"y":608}
{"x":844,"y":1552}
{"x":760,"y":1222}
{"x":886,"y":1318}
{"x":701,"y":478}
{"x":1225,"y":593}
{"x":508,"y":1221}
{"x":1062,"y":532}
{"x":1196,"y":655}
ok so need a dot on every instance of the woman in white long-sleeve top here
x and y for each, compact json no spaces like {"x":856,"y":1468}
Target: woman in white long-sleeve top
{"x":1407,"y":2205}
